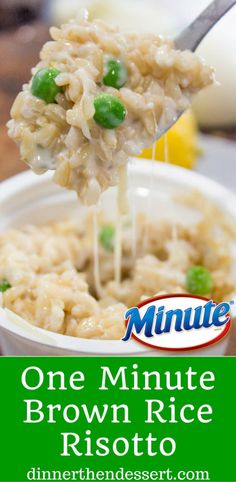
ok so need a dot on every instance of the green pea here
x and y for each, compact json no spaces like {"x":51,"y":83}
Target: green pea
{"x":44,"y":86}
{"x":109,"y":111}
{"x":4,"y":285}
{"x":199,"y":281}
{"x":116,"y":74}
{"x":106,"y":237}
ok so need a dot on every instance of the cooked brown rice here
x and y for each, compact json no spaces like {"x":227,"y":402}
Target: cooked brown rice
{"x":85,"y":156}
{"x":50,"y":269}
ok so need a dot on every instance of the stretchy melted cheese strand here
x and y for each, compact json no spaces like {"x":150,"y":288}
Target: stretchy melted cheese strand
{"x":91,"y":118}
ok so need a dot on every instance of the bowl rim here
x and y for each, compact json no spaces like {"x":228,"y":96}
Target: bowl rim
{"x":28,"y":179}
{"x":169,"y":172}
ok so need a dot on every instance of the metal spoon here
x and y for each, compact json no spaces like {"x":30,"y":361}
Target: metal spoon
{"x":189,"y":39}
{"x":192,"y":36}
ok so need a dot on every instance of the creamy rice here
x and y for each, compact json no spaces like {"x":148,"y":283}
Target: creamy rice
{"x":50,"y":269}
{"x":53,"y":270}
{"x":85,"y":156}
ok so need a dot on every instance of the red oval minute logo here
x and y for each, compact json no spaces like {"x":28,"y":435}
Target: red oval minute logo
{"x":178,"y":322}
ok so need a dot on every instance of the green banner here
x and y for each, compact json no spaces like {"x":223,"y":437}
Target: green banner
{"x":118,"y":419}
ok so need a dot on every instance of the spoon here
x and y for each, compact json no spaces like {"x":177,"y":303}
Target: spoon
{"x":192,"y":36}
{"x":188,"y":39}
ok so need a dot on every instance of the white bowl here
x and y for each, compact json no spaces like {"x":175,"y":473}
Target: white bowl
{"x":27,"y":198}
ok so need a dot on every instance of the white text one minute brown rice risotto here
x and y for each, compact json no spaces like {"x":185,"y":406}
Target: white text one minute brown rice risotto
{"x":97,"y":97}
{"x":48,"y":270}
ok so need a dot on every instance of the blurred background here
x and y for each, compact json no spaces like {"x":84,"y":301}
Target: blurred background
{"x":203,"y":139}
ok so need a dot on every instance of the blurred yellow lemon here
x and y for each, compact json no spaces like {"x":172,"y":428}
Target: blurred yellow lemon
{"x":179,"y":146}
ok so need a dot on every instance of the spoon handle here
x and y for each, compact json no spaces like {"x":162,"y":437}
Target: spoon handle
{"x":191,"y":37}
